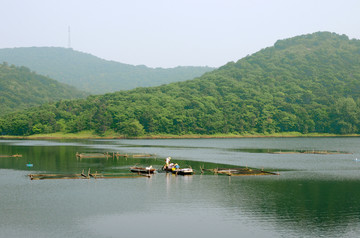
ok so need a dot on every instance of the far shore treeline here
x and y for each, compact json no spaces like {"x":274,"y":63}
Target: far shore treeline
{"x":306,"y":84}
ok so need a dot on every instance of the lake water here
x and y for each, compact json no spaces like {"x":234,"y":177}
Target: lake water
{"x":315,"y":195}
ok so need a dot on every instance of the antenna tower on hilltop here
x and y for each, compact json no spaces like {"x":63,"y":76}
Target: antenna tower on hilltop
{"x":69,"y":38}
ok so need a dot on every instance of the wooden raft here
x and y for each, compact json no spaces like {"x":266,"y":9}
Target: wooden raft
{"x":110,"y":155}
{"x":82,"y":175}
{"x":238,"y":171}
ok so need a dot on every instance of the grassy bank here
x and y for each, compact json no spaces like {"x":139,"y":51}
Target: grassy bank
{"x":113,"y":135}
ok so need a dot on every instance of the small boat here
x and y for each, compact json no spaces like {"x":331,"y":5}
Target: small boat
{"x":175,"y":169}
{"x":184,"y":171}
{"x":146,"y":170}
{"x":170,"y":167}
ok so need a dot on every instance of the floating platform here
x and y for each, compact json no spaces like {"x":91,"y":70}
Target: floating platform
{"x":108,"y":155}
{"x":141,"y":170}
{"x":238,"y":171}
{"x":82,"y":175}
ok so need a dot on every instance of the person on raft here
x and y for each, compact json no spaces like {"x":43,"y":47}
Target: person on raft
{"x":167,"y":161}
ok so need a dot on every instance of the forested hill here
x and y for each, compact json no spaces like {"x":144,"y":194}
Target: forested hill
{"x":309,"y":83}
{"x":92,"y":74}
{"x":20,"y":88}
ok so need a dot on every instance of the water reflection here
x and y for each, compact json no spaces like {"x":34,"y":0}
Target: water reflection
{"x":304,"y":206}
{"x":316,"y":196}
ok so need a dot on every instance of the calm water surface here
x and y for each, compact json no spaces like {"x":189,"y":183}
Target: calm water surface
{"x":316,"y":195}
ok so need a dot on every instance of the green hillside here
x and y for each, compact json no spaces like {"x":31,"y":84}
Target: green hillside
{"x":92,"y":74}
{"x":309,"y":83}
{"x":20,"y":88}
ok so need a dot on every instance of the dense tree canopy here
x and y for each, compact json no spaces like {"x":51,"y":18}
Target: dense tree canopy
{"x":20,"y":88}
{"x":309,"y":83}
{"x":92,"y":74}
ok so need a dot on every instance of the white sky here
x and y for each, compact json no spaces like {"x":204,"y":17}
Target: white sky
{"x":169,"y":33}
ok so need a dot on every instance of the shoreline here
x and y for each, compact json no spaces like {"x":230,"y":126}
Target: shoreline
{"x":70,"y":136}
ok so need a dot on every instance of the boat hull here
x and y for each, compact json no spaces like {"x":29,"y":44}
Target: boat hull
{"x":142,"y":170}
{"x":186,"y":171}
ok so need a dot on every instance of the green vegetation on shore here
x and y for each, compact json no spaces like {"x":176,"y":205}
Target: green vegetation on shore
{"x":113,"y":135}
{"x":306,"y":85}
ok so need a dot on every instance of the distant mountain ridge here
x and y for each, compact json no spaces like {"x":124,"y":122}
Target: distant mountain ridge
{"x":92,"y":74}
{"x":20,"y":89}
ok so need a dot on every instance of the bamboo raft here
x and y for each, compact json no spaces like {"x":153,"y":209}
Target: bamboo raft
{"x":11,"y":156}
{"x":82,"y":175}
{"x":238,"y":171}
{"x":141,"y":170}
{"x":108,"y":155}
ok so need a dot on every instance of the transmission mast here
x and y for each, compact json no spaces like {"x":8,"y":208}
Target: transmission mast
{"x":69,"y":38}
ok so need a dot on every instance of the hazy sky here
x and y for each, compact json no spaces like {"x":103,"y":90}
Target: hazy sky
{"x":169,"y":33}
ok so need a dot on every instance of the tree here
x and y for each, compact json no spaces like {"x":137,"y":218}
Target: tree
{"x":132,"y":128}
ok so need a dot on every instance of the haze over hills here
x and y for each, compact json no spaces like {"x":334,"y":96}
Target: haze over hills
{"x":20,"y":88}
{"x":92,"y":74}
{"x":307,"y":84}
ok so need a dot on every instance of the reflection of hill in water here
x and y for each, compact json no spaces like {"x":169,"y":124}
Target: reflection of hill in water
{"x":304,"y":206}
{"x":307,"y":207}
{"x":62,"y":158}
